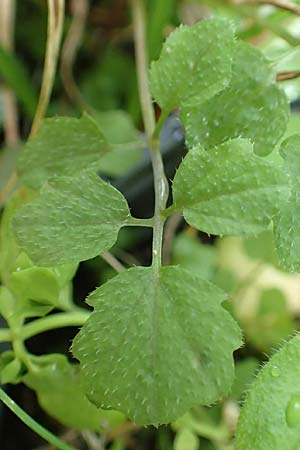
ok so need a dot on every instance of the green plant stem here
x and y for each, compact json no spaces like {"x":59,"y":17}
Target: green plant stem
{"x":161,"y":186}
{"x":59,"y":320}
{"x":31,"y":423}
{"x":135,"y":222}
{"x":138,"y":13}
{"x":161,"y":195}
{"x":5,"y":335}
{"x":56,"y":9}
{"x":162,"y":118}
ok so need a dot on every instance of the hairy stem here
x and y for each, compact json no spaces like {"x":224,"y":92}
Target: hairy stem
{"x":161,"y":186}
{"x":56,"y":10}
{"x":31,"y":423}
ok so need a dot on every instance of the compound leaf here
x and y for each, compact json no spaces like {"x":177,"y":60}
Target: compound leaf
{"x":228,"y":190}
{"x":195,"y":64}
{"x":63,"y":146}
{"x":168,"y":349}
{"x":243,"y":109}
{"x":73,"y":219}
{"x":59,"y":390}
{"x":270,"y":417}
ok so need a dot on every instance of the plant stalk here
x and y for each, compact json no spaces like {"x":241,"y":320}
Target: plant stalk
{"x":59,"y":320}
{"x":56,"y":11}
{"x":161,"y":186}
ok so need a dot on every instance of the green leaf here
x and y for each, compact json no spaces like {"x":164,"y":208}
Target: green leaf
{"x":10,"y":368}
{"x":186,"y":440}
{"x":73,"y":219}
{"x":262,"y":247}
{"x":26,"y":281}
{"x":169,"y":348}
{"x":14,"y":311}
{"x":160,"y":15}
{"x":118,"y":128}
{"x":43,"y":284}
{"x":195,"y":64}
{"x":14,"y":73}
{"x":10,"y":373}
{"x":126,"y":142}
{"x":293,"y":125}
{"x":289,"y":150}
{"x":245,"y":371}
{"x":58,"y":386}
{"x":270,"y":417}
{"x":228,"y":190}
{"x":272,"y":321}
{"x":191,"y":254}
{"x":286,"y":223}
{"x":9,"y":250}
{"x":252,"y":106}
{"x":287,"y":233}
{"x":63,"y":146}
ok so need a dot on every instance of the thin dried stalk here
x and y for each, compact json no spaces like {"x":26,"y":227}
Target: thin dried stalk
{"x":56,"y":12}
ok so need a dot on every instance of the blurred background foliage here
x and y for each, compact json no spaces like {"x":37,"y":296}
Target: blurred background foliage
{"x":97,"y":74}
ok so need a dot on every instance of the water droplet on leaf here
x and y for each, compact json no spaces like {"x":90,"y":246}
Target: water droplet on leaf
{"x":275,"y":371}
{"x":292,"y":412}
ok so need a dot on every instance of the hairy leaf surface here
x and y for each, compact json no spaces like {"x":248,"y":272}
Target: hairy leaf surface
{"x":59,"y":389}
{"x":228,"y":190}
{"x":27,"y":282}
{"x":195,"y":64}
{"x":73,"y":219}
{"x":270,"y":418}
{"x":287,"y":222}
{"x":243,"y":109}
{"x":168,"y":349}
{"x":63,"y":146}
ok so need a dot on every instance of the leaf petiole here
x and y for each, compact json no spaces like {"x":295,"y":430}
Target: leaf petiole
{"x":59,"y":320}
